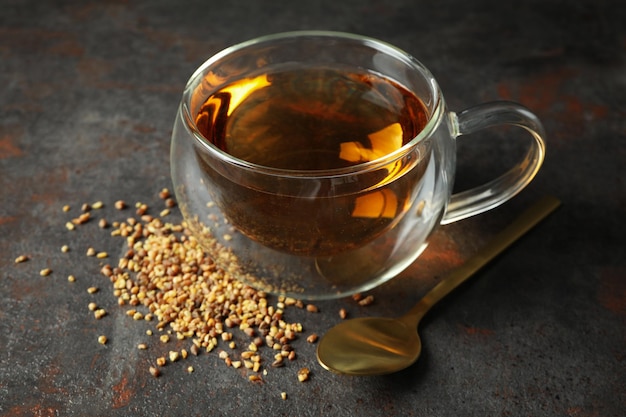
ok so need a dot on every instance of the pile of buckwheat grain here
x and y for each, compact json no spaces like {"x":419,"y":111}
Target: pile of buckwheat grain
{"x":166,"y":278}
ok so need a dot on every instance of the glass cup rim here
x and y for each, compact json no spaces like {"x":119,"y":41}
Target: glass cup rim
{"x":435,"y":117}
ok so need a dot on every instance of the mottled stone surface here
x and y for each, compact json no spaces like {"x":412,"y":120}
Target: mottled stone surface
{"x":88,"y":98}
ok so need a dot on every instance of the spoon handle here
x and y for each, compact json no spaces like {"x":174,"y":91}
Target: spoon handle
{"x":526,"y":221}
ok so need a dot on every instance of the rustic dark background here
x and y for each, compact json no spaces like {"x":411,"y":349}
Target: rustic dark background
{"x":88,"y":94}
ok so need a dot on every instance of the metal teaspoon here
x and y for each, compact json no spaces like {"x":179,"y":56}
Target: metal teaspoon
{"x":378,"y":345}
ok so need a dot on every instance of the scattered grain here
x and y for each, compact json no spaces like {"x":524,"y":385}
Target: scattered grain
{"x":189,"y":369}
{"x":21,"y":258}
{"x":99,"y":313}
{"x":106,"y":270}
{"x":45,"y":272}
{"x":120,"y":204}
{"x":142,"y":346}
{"x":102,"y":340}
{"x":155,"y":372}
{"x":92,"y":306}
{"x":66,"y":208}
{"x":311,"y":308}
{"x":91,"y":252}
{"x":367,"y":301}
{"x":70,"y":226}
{"x":312,"y":338}
{"x":92,"y":290}
{"x":283,"y":395}
{"x":71,"y":278}
{"x":97,"y":205}
{"x":161,"y":361}
{"x":65,"y":248}
{"x":303,"y":374}
{"x":174,"y":355}
{"x":82,"y":219}
{"x":141,"y":209}
{"x":164,"y":194}
{"x":343,"y":313}
{"x":103,"y":224}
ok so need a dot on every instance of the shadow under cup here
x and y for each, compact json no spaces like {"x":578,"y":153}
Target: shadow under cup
{"x":290,"y":228}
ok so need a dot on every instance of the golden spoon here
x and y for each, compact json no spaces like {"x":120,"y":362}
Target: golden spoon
{"x":378,"y":346}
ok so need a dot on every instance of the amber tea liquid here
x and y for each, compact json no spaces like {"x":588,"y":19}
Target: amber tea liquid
{"x":314,"y":119}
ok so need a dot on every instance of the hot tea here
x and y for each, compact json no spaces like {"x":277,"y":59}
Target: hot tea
{"x":304,"y":121}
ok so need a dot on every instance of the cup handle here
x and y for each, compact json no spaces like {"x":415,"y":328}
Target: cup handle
{"x":495,"y":192}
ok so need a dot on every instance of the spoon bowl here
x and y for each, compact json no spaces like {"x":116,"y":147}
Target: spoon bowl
{"x":370,"y":346}
{"x":377,"y":346}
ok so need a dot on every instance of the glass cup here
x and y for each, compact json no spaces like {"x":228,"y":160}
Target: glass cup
{"x":316,"y":164}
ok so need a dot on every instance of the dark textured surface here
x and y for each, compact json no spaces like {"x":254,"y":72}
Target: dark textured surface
{"x":88,"y":97}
